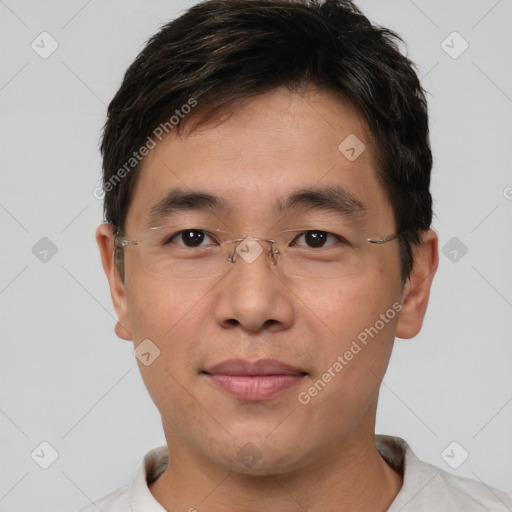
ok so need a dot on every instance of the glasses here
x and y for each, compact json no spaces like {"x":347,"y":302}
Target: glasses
{"x":191,"y":253}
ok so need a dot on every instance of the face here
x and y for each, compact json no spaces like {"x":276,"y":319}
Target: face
{"x":260,"y":371}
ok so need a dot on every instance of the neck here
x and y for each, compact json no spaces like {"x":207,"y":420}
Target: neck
{"x":357,"y":479}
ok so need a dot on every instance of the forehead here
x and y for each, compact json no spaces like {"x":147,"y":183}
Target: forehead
{"x":266,"y":149}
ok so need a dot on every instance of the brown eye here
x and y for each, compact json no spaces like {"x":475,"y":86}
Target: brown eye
{"x":189,"y":238}
{"x":316,"y":239}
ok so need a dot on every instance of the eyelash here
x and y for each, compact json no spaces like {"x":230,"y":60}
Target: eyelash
{"x":338,"y":238}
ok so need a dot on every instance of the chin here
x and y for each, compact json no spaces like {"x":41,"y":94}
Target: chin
{"x":261,"y":457}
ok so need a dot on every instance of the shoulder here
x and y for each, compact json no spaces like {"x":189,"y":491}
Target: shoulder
{"x":458,"y":493}
{"x":118,"y":501}
{"x":427,"y":487}
{"x":136,"y":496}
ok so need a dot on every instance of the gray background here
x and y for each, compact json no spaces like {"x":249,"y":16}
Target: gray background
{"x":68,"y":381}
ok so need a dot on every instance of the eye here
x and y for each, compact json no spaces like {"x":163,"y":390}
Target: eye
{"x":189,"y":238}
{"x":317,"y":239}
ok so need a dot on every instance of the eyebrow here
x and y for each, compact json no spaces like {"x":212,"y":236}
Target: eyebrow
{"x":178,"y":200}
{"x":333,"y":199}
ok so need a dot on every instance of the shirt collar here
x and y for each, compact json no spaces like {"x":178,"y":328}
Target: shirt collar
{"x":394,"y":451}
{"x":148,"y":470}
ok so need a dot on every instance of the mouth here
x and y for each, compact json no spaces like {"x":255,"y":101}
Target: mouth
{"x":253,"y":381}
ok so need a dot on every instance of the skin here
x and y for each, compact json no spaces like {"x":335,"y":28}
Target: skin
{"x":318,"y":456}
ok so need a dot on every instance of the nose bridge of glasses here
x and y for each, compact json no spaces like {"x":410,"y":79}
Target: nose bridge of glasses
{"x":250,"y":249}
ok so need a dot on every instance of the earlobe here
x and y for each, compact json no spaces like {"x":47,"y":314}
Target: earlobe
{"x":416,"y":290}
{"x":105,"y":240}
{"x":122,"y":332}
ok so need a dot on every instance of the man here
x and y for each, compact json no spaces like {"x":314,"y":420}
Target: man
{"x":266,"y":175}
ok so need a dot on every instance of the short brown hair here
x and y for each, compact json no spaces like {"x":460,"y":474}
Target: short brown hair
{"x":221,"y":52}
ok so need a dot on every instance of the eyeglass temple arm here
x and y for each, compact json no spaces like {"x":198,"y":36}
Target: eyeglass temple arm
{"x":383,"y":240}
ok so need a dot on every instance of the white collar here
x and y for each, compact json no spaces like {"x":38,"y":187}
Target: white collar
{"x":424,"y":486}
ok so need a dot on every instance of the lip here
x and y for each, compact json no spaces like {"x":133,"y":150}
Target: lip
{"x":254,"y":381}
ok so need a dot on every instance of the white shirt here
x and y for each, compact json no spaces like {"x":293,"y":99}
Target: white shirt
{"x":425,"y":488}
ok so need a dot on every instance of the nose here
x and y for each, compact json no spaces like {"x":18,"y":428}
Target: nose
{"x":253,"y":295}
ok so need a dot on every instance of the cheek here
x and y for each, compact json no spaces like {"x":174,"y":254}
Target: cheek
{"x":344,"y":308}
{"x":169,"y":314}
{"x":361,"y":317}
{"x":163,"y":309}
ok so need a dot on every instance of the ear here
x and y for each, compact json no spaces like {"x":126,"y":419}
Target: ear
{"x":105,"y":240}
{"x":416,"y":290}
